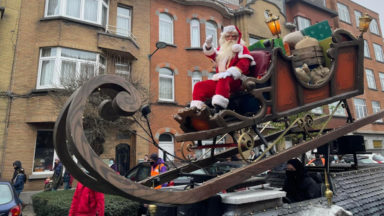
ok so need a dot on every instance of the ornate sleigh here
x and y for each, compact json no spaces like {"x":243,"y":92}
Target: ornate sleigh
{"x":278,"y":94}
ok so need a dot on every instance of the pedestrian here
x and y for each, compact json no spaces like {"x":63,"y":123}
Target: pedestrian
{"x":157,"y":167}
{"x":57,"y":177}
{"x":146,"y":158}
{"x":298,"y":184}
{"x":86,"y":202}
{"x":252,"y":156}
{"x":16,"y":167}
{"x":67,"y":180}
{"x":18,"y":183}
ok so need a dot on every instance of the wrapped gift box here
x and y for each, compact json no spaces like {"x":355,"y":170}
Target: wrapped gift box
{"x":262,"y":44}
{"x":325,"y":44}
{"x":320,"y":30}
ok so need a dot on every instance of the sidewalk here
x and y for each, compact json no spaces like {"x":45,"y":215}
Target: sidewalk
{"x":26,"y":196}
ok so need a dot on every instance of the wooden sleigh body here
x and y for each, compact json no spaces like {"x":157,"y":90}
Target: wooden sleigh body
{"x":280,"y":92}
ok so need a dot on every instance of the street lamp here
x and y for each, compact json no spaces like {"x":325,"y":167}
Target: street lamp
{"x":159,"y":45}
{"x":273,"y":23}
{"x":364,"y":22}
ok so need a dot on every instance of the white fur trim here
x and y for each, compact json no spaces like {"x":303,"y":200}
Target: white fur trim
{"x":237,"y":47}
{"x":235,"y":72}
{"x":208,"y":52}
{"x":198,"y":104}
{"x":241,"y":55}
{"x":220,"y":100}
{"x":230,"y":28}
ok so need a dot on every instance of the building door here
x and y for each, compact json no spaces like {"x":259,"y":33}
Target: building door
{"x":166,"y":143}
{"x":123,"y":158}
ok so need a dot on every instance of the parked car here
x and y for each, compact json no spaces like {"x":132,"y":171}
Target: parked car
{"x":361,"y":159}
{"x":10,"y":204}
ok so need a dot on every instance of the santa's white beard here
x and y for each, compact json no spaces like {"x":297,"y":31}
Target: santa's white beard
{"x":225,"y":54}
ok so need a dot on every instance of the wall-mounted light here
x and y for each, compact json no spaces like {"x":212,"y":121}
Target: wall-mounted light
{"x":273,"y":23}
{"x":159,"y":45}
{"x":364,"y":22}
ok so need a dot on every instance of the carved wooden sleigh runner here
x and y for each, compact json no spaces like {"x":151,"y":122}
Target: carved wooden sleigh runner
{"x":281,"y":92}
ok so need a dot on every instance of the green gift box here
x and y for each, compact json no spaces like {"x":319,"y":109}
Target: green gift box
{"x":320,"y":30}
{"x":278,"y":42}
{"x":325,"y":44}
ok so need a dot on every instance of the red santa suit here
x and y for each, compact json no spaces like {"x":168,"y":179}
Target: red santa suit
{"x":228,"y":77}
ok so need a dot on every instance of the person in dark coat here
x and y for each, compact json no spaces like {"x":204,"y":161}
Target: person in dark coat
{"x":57,"y":177}
{"x":298,"y":184}
{"x":16,"y":167}
{"x":18,"y":183}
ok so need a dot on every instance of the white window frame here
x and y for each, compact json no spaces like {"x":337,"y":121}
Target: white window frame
{"x":378,"y":52}
{"x":340,"y":111}
{"x":168,"y":146}
{"x":211,"y":29}
{"x":376,"y":108}
{"x":165,"y":34}
{"x":317,"y":110}
{"x":50,"y":172}
{"x":61,"y":11}
{"x":195,"y":33}
{"x":172,"y":78}
{"x":367,"y":52}
{"x":196,"y":77}
{"x":343,"y":12}
{"x":302,"y":22}
{"x":122,"y":64}
{"x":370,"y":79}
{"x":374,"y":27}
{"x":55,"y":82}
{"x":358,"y":14}
{"x":381,"y":77}
{"x":124,"y":30}
{"x":360,"y":108}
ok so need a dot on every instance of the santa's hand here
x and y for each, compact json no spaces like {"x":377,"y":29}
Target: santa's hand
{"x":221,"y":75}
{"x":208,"y":41}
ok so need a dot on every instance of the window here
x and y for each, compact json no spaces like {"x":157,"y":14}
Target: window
{"x":340,"y":111}
{"x":210,"y":75}
{"x":123,"y":21}
{"x":373,"y":27}
{"x":302,"y":22}
{"x":195,"y":33}
{"x":381,"y":77}
{"x":378,"y":52}
{"x":343,"y":13}
{"x":93,"y":11}
{"x":377,"y":144}
{"x":360,"y":108}
{"x":196,"y":77}
{"x":357,"y":16}
{"x":253,"y":40}
{"x":59,"y":67}
{"x":376,"y":108}
{"x":317,"y":110}
{"x":44,"y":152}
{"x":123,"y":68}
{"x":165,"y":28}
{"x":211,"y":29}
{"x":166,"y":143}
{"x":166,"y":85}
{"x":366,"y":50}
{"x":370,"y":79}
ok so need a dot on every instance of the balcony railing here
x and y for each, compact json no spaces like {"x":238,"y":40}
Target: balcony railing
{"x":121,"y":32}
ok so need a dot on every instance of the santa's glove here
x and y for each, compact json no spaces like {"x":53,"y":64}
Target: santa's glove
{"x":208,"y":42}
{"x":221,"y":75}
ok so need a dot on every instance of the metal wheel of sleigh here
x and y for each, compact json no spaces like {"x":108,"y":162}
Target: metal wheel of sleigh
{"x":278,"y":94}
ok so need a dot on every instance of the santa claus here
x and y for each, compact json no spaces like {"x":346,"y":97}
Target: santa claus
{"x":232,"y":64}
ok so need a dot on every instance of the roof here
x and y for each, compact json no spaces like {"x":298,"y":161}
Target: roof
{"x":315,"y":4}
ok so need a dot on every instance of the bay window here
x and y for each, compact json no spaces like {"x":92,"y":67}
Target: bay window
{"x":92,"y":11}
{"x":60,"y":67}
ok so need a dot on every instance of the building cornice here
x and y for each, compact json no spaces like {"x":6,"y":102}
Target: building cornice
{"x":318,"y":7}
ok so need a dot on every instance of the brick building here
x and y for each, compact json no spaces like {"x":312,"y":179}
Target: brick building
{"x":9,"y":14}
{"x":372,"y":99}
{"x":57,"y":41}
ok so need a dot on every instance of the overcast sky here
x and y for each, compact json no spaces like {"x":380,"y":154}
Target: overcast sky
{"x":374,"y":5}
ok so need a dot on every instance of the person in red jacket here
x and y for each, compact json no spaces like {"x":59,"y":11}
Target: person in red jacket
{"x":86,"y":202}
{"x":232,"y":60}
